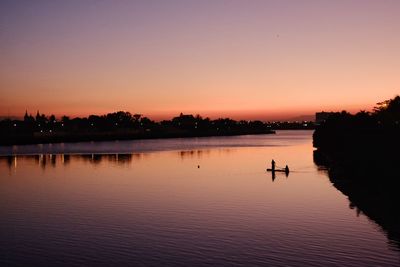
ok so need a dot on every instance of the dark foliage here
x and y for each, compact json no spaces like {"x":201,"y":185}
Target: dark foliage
{"x":361,"y":154}
{"x":124,"y":125}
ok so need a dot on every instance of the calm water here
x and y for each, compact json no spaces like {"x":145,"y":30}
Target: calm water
{"x":147,"y":203}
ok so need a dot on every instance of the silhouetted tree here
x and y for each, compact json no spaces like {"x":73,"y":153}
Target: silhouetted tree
{"x":38,"y":116}
{"x":52,"y":118}
{"x":137,"y":117}
{"x":119,"y":124}
{"x":28,"y":118}
{"x":388,"y":111}
{"x":65,"y":119}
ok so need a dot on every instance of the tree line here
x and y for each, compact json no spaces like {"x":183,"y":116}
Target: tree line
{"x":124,"y":125}
{"x":381,"y":127}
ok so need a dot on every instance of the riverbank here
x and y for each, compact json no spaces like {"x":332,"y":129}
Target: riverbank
{"x":125,"y":126}
{"x":61,"y":137}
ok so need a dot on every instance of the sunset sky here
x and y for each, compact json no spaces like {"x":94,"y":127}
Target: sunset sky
{"x":242,"y":59}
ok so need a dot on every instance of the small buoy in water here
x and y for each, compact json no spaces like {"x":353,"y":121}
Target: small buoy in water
{"x":198,"y":166}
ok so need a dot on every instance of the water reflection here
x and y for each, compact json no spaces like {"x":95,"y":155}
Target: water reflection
{"x":274,"y":174}
{"x":281,"y":138}
{"x":375,"y":202}
{"x":53,"y":160}
{"x":161,"y":209}
{"x":194,"y":153}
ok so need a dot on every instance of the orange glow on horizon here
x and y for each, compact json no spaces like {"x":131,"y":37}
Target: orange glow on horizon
{"x":264,"y":115}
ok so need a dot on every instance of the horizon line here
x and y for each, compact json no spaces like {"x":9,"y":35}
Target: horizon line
{"x":167,"y":116}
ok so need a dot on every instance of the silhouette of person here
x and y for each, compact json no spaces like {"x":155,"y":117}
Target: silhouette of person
{"x":273,"y":165}
{"x":287,"y":169}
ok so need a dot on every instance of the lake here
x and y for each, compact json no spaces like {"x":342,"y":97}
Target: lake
{"x":180,"y":202}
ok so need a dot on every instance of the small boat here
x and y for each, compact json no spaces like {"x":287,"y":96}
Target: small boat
{"x":277,"y":170}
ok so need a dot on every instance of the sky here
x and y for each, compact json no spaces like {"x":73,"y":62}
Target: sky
{"x":243,"y":59}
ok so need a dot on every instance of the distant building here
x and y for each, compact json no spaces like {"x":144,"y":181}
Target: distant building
{"x":184,"y":121}
{"x":322,"y":116}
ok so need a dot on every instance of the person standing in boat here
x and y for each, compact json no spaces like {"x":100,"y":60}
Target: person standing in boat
{"x":287,"y":171}
{"x":273,"y":165}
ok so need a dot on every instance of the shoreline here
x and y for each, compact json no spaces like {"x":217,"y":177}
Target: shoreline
{"x":99,"y":137}
{"x":376,"y":198}
{"x":149,"y":145}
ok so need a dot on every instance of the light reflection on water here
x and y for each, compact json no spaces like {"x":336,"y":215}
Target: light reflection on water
{"x":282,"y":138}
{"x":192,"y":205}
